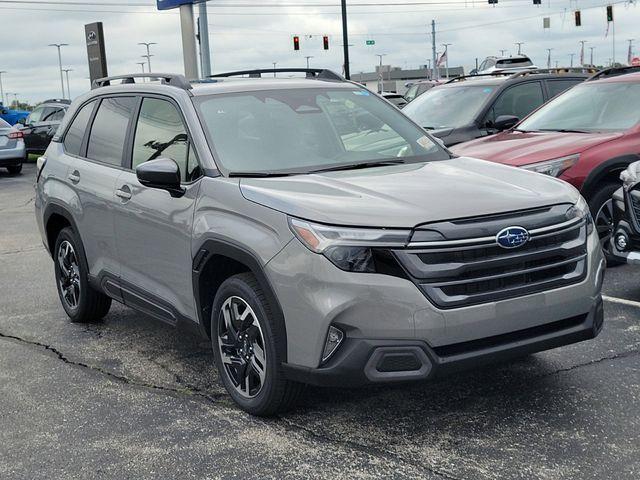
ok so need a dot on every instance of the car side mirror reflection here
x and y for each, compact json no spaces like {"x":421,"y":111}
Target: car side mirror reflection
{"x":505,"y":122}
{"x":162,"y":173}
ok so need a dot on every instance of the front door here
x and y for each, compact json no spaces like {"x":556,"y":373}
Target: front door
{"x":153,"y":229}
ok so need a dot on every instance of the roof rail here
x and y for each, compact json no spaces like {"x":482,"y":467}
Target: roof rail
{"x":497,"y":73}
{"x":559,"y":70}
{"x":614,"y":72}
{"x":315,"y":73}
{"x":173,"y":79}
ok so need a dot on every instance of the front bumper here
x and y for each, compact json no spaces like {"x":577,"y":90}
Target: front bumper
{"x":627,"y":225}
{"x":364,"y":361}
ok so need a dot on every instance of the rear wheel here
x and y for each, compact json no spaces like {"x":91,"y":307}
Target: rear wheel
{"x":601,"y":206}
{"x":15,"y":170}
{"x":245,"y":338}
{"x":80,"y":300}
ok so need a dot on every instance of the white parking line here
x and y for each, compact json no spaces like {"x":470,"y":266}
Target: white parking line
{"x":622,"y":301}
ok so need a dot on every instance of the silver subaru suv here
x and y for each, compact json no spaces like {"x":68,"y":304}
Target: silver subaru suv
{"x":311,"y":231}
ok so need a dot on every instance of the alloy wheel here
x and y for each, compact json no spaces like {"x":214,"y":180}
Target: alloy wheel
{"x":242,"y":347}
{"x":69,"y":280}
{"x":604,"y":223}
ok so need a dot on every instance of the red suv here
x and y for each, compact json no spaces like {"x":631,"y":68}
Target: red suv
{"x":586,"y":136}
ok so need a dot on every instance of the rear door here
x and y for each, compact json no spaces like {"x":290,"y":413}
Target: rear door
{"x":153,"y":228}
{"x":93,"y":175}
{"x":556,"y":87}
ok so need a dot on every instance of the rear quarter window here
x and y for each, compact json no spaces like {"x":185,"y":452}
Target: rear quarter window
{"x":556,"y":87}
{"x":109,"y":130}
{"x":73,"y":139}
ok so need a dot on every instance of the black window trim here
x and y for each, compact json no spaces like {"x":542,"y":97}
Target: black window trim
{"x":501,"y":91}
{"x":128,"y":157}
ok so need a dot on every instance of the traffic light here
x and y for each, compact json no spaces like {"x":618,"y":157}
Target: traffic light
{"x":325,"y":42}
{"x":492,"y":2}
{"x":537,"y":2}
{"x":578,"y":19}
{"x":609,"y":13}
{"x":296,"y":42}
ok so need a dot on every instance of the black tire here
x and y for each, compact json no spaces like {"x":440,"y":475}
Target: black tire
{"x":91,"y":304}
{"x":601,"y":213}
{"x":276,"y":394}
{"x":15,"y":170}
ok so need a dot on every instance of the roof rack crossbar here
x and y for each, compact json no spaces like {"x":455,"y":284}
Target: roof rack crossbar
{"x":173,"y":79}
{"x":314,"y":73}
{"x":497,"y":73}
{"x":614,"y":71}
{"x":553,"y":70}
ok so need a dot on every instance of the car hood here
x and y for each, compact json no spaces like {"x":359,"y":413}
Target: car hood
{"x":522,"y":148}
{"x":403,"y":196}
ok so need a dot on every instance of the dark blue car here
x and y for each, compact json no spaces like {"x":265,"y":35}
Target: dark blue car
{"x":11,"y":116}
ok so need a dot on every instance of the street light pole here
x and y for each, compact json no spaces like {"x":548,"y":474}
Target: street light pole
{"x":66,"y":71}
{"x":591,"y":59}
{"x":308,"y":57}
{"x":142,"y":64}
{"x":148,"y":55}
{"x":59,"y":46}
{"x":446,"y":58}
{"x":380,"y":77}
{"x":345,"y":40}
{"x":502,"y":52}
{"x":572,"y":55}
{"x":519,"y":44}
{"x":1,"y":89}
{"x":549,"y":57}
{"x":582,"y":42}
{"x":274,"y":69}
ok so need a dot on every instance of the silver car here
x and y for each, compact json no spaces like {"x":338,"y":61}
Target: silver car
{"x":12,"y":150}
{"x":311,"y":231}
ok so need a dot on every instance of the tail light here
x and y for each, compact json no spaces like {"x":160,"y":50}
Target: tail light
{"x":15,"y":135}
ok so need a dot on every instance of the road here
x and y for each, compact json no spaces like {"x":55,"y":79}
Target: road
{"x":133,"y":398}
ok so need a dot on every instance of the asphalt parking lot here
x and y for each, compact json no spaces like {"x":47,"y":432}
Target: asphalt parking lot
{"x":133,"y":398}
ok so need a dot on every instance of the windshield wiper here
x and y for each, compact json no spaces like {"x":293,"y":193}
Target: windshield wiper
{"x":354,"y":166}
{"x":259,"y":174}
{"x":563,"y":130}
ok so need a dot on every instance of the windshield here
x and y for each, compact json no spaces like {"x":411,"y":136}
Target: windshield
{"x":589,"y":107}
{"x":448,"y":107}
{"x":308,"y":129}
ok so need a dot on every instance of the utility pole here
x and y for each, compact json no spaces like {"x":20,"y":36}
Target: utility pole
{"x":502,"y":53}
{"x":549,"y":57}
{"x":58,"y":46}
{"x":591,"y":58}
{"x":582,"y":42}
{"x":519,"y":44}
{"x":345,"y":40}
{"x":205,"y":54}
{"x":148,"y":55}
{"x":630,"y":52}
{"x":380,"y":77}
{"x":433,"y":48}
{"x":308,"y":57}
{"x":66,"y":71}
{"x":1,"y":89}
{"x":572,"y":55}
{"x":446,"y":58}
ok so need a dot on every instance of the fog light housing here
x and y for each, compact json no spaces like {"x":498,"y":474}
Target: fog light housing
{"x":622,"y":241}
{"x":333,"y":341}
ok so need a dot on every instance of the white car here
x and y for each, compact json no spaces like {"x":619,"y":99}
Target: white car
{"x":508,"y":64}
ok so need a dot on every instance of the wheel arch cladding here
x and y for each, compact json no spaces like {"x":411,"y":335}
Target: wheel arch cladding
{"x":608,"y":170}
{"x":218,"y":260}
{"x":55,"y":219}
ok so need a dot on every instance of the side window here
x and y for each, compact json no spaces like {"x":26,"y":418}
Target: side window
{"x":36,"y":115}
{"x":160,"y":132}
{"x":520,"y":101}
{"x":556,"y":87}
{"x":55,"y":116}
{"x":109,"y":130}
{"x":75,"y":134}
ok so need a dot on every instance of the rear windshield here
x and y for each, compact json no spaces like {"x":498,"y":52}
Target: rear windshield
{"x":307,"y":129}
{"x":4,"y":124}
{"x":589,"y":107}
{"x":515,"y":62}
{"x":449,"y":107}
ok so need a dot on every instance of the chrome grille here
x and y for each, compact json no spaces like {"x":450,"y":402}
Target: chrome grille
{"x":461,"y":272}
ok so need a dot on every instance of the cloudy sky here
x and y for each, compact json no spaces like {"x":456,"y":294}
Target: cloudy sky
{"x":255,"y":33}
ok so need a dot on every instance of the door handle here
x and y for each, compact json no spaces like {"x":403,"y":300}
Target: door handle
{"x":74,"y":177}
{"x":124,"y":193}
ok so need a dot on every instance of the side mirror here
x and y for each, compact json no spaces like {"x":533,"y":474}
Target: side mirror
{"x":22,"y":121}
{"x":505,"y":122}
{"x":162,"y":173}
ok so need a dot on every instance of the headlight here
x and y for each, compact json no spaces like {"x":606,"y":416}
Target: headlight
{"x":349,"y":249}
{"x":581,"y":210}
{"x":631,"y":176}
{"x":554,"y":167}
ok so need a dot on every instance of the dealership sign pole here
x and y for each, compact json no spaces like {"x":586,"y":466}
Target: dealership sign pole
{"x":189,"y":51}
{"x":94,"y":36}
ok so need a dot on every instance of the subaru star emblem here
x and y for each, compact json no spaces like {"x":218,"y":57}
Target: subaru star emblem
{"x":92,"y":36}
{"x":512,"y":237}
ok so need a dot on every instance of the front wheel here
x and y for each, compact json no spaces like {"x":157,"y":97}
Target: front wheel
{"x":601,"y":206}
{"x":244,"y":337}
{"x":15,"y":170}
